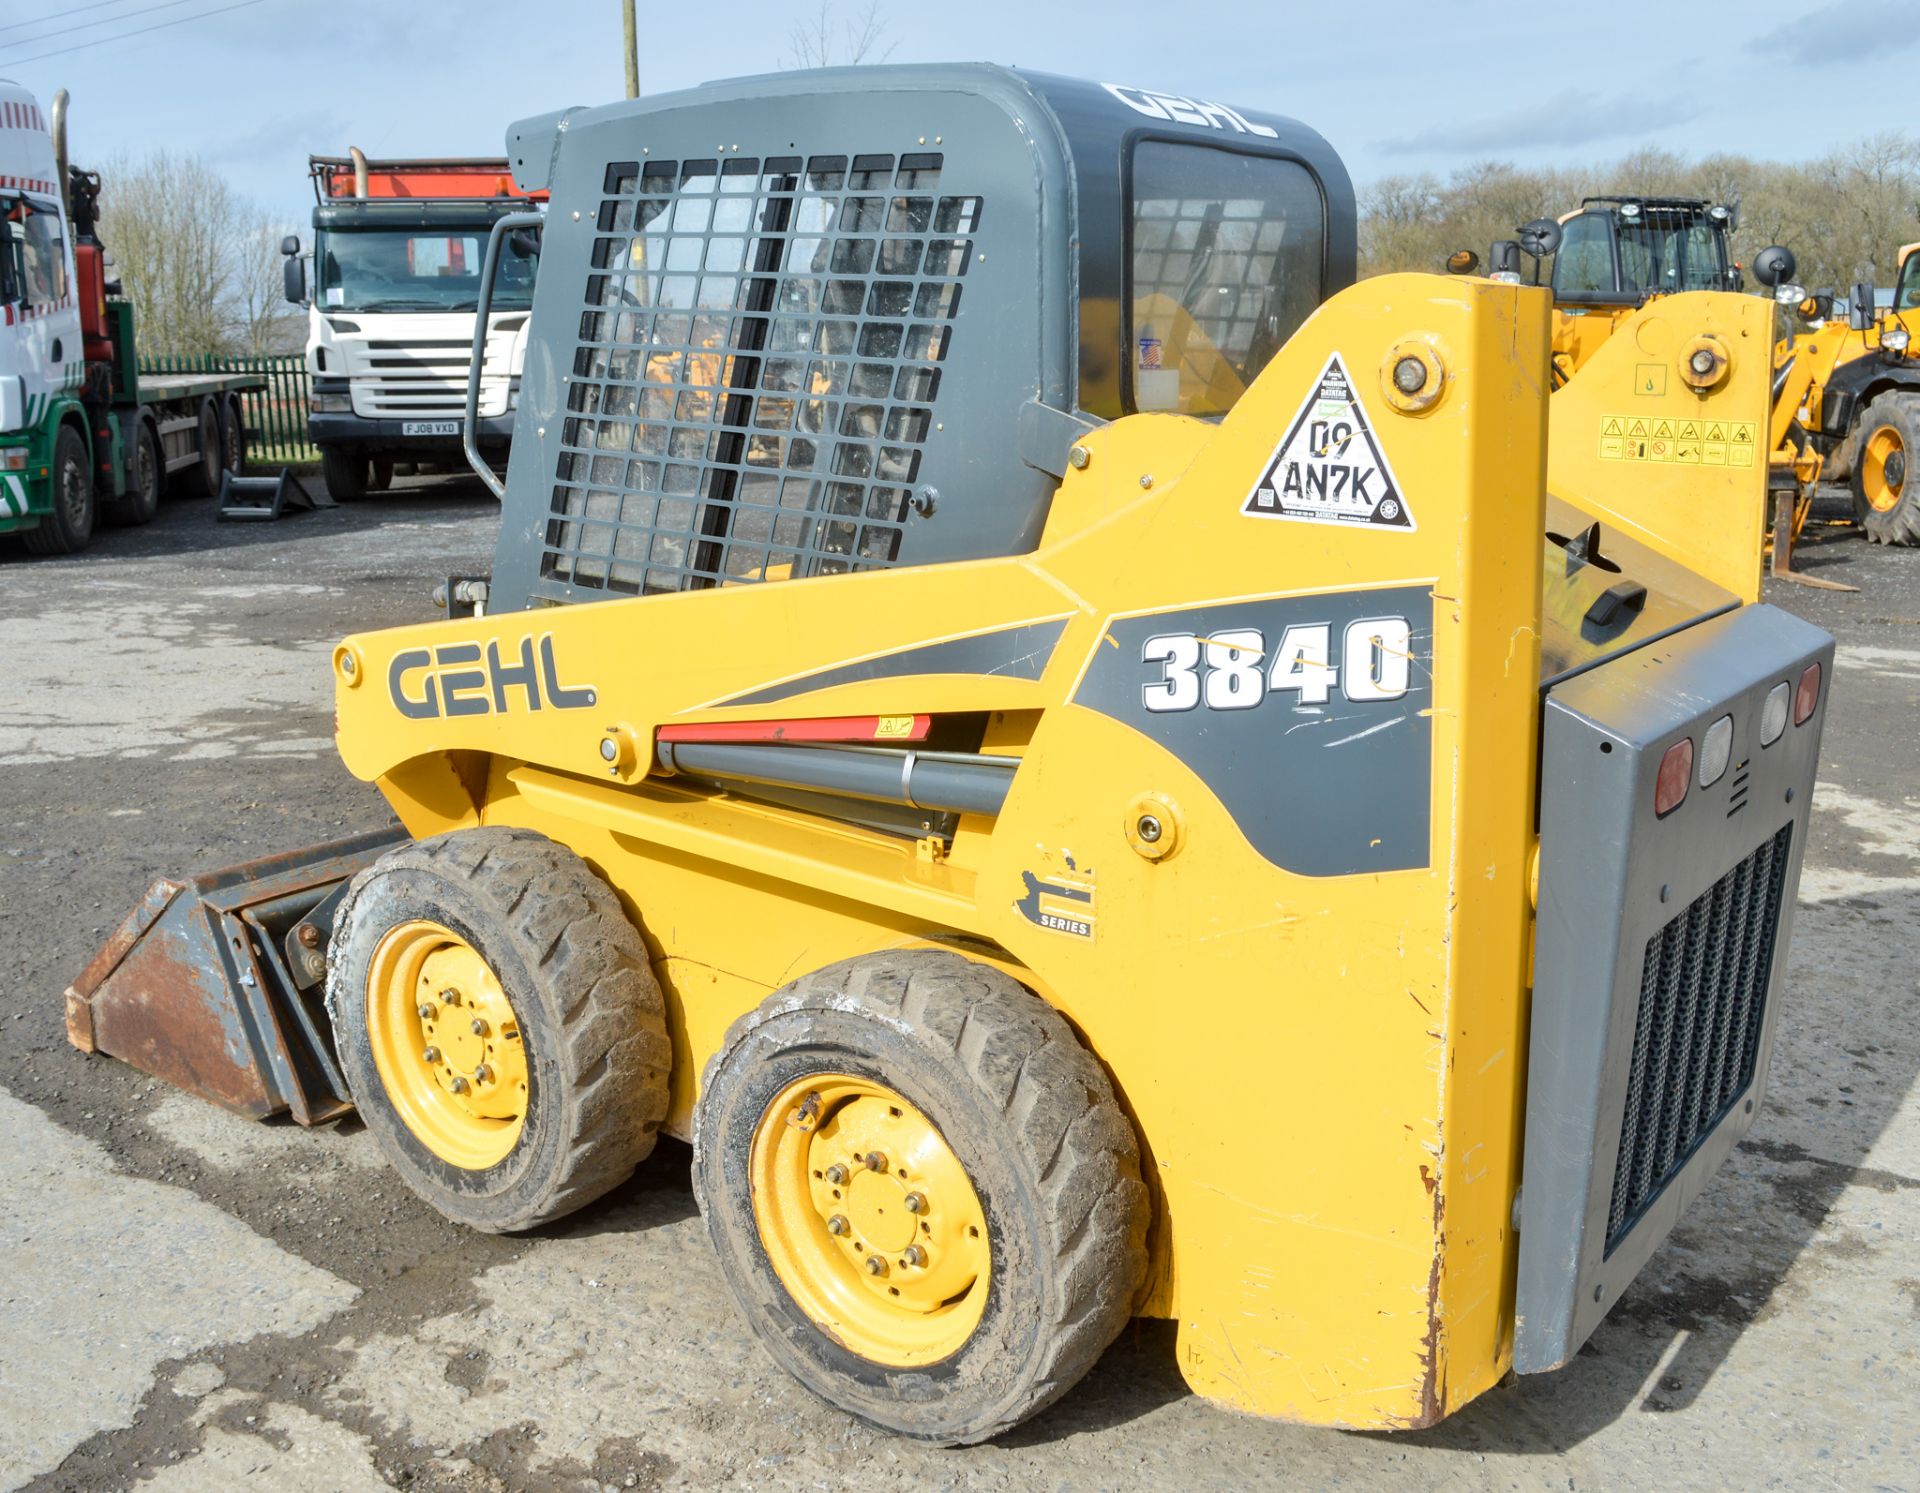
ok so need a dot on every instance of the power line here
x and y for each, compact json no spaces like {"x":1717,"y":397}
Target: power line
{"x":101,"y":41}
{"x":127,"y":15}
{"x":72,"y":11}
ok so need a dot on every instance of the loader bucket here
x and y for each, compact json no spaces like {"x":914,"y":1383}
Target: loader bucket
{"x":215,"y":983}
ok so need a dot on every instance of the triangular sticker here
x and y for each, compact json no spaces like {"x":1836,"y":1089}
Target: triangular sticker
{"x":1716,"y":432}
{"x":1329,"y":469}
{"x":1612,"y":427}
{"x":1663,"y":430}
{"x":1639,"y":427}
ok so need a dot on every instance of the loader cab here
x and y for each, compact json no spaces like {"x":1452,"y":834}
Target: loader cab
{"x":1906,"y":287}
{"x":1618,"y":251}
{"x":821,"y":322}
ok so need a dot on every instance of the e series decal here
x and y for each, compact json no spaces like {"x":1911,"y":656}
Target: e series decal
{"x":1329,"y":469}
{"x":1060,"y":904}
{"x":1307,"y":717}
{"x":458,"y":679}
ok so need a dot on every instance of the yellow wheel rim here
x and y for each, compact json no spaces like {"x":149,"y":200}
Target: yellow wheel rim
{"x":1883,"y":474}
{"x":447,"y":1045}
{"x":845,"y":1172}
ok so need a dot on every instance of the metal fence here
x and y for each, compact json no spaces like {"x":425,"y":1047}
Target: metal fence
{"x":276,"y":416}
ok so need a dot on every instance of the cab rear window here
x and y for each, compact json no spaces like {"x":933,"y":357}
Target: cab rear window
{"x":1226,"y":264}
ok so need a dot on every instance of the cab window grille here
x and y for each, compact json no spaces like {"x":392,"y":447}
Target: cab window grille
{"x":759,"y":359}
{"x":1703,"y":987}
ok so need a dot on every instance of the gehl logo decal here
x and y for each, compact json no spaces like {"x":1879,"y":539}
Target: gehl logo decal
{"x":458,"y":679}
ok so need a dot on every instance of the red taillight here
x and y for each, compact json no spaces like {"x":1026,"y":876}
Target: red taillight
{"x":1676,"y":772}
{"x":1807,"y":696}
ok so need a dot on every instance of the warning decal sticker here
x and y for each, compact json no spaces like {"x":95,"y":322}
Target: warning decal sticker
{"x":1329,"y":469}
{"x":1712,"y":443}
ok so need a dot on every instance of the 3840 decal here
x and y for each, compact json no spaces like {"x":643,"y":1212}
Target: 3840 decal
{"x":1233,"y":669}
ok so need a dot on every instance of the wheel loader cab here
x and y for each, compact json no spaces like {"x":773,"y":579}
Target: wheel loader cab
{"x":1617,"y":251}
{"x":1099,"y":780}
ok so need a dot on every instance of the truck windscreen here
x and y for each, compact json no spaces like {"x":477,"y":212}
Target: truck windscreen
{"x":414,"y":269}
{"x":1227,"y":256}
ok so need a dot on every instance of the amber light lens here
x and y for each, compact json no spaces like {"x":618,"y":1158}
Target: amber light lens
{"x":1676,"y":772}
{"x":1807,"y":696}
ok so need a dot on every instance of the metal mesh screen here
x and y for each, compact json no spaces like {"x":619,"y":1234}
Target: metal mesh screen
{"x":760,"y":355}
{"x":1697,"y":1035}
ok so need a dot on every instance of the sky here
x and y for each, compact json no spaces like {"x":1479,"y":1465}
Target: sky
{"x":1398,"y":86}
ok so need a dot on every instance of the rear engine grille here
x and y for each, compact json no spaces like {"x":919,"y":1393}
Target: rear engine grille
{"x":1702,"y":999}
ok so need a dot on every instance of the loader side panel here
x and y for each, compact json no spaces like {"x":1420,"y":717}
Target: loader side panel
{"x":1651,"y":1030}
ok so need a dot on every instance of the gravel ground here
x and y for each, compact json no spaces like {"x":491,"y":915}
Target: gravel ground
{"x":200,"y":1303}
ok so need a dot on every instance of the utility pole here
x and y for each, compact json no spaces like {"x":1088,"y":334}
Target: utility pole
{"x":633,"y":48}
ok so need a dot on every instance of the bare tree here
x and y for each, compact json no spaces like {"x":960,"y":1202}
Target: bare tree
{"x":200,"y":263}
{"x":168,"y":221}
{"x":261,"y":323}
{"x":1843,"y":215}
{"x":825,"y":41}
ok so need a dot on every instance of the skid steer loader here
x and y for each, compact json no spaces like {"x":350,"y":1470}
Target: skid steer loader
{"x":1089,"y":764}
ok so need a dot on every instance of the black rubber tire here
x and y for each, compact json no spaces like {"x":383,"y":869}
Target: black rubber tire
{"x":382,"y":478}
{"x":345,"y":473}
{"x":233,"y":437}
{"x":1899,"y":524}
{"x":144,"y":481}
{"x":202,"y":479}
{"x":590,"y":1011}
{"x":1032,"y":1117}
{"x":68,"y":529}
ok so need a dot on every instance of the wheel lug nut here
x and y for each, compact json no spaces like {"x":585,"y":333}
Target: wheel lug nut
{"x":876,"y":1265}
{"x":837,"y":1175}
{"x":875,"y":1161}
{"x":915,"y":1255}
{"x":431,"y":1055}
{"x":836,"y":1225}
{"x":483,"y":1074}
{"x":450,"y":996}
{"x":479,"y":1027}
{"x":916,"y":1203}
{"x":428,"y":1010}
{"x":459,"y":1086}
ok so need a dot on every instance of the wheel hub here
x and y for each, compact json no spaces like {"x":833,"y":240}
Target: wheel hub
{"x":447,"y":1045}
{"x":1884,"y":469}
{"x":870,"y":1220}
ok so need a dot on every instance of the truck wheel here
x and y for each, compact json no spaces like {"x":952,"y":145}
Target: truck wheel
{"x":202,"y":479}
{"x":68,"y":529}
{"x":382,"y":474}
{"x":142,"y":498}
{"x":233,"y":437}
{"x":1886,"y":474}
{"x":345,"y":473}
{"x":499,"y":1025}
{"x":923,"y":1193}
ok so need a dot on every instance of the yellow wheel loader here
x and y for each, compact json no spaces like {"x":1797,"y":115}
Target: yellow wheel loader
{"x":1090,"y":765}
{"x":1848,"y":394}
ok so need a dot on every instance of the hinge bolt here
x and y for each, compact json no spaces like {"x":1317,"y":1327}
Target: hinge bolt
{"x":309,"y":936}
{"x":1078,"y":457}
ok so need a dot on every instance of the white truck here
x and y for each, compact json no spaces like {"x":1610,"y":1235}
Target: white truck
{"x":395,"y":280}
{"x":83,"y":434}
